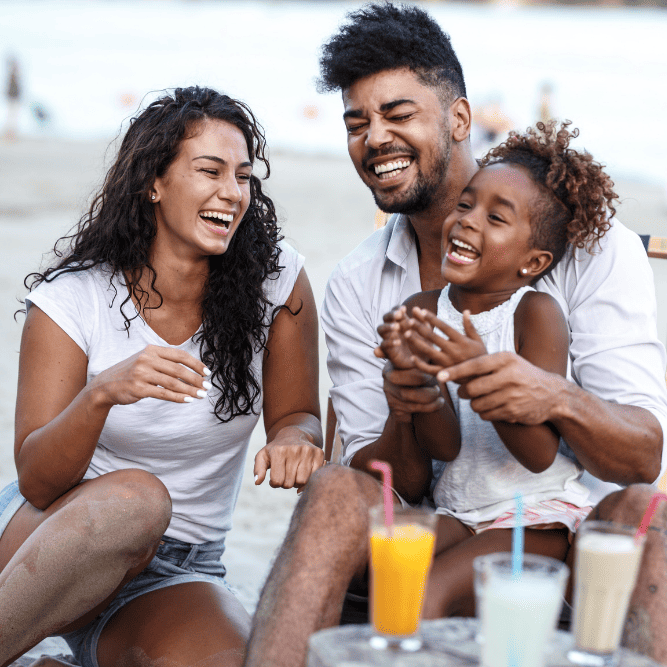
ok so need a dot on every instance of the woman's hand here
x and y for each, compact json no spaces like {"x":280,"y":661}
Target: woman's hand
{"x":292,"y":458}
{"x":433,"y":352}
{"x":156,"y":372}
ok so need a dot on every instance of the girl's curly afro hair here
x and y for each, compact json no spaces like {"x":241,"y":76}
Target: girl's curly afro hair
{"x":577,"y":195}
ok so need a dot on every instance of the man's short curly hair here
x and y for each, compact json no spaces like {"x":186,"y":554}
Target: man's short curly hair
{"x":384,"y":36}
{"x":577,"y":195}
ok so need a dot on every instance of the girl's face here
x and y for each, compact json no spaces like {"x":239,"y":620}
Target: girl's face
{"x":203,"y":196}
{"x":485,"y":238}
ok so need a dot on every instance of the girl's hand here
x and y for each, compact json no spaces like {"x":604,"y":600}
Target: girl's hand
{"x":156,"y":372}
{"x":449,"y":350}
{"x":291,"y":457}
{"x":394,"y":345}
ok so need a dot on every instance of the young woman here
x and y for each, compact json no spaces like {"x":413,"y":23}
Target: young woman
{"x":172,"y":318}
{"x":513,"y":221}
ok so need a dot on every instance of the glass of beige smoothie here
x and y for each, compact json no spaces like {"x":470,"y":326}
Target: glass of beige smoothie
{"x":607,"y":559}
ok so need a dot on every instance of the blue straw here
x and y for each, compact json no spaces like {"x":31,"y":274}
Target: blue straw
{"x":517,"y":538}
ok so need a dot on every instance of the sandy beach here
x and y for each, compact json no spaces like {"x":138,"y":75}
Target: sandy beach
{"x":325,"y":211}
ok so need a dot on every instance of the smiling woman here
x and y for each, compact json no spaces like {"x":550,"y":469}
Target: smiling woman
{"x":173,"y":316}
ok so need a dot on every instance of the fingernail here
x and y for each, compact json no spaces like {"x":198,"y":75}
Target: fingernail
{"x":188,"y":399}
{"x":256,"y":478}
{"x":206,"y":371}
{"x":206,"y":385}
{"x":201,"y":393}
{"x":443,"y":375}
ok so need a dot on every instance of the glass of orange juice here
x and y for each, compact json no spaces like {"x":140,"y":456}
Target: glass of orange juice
{"x":401,"y":556}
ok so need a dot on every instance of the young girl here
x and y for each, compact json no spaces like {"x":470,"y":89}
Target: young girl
{"x":532,"y":196}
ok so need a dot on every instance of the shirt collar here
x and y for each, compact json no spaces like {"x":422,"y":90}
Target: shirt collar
{"x":401,"y":240}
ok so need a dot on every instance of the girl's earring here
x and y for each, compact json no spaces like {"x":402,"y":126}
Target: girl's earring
{"x":524,"y":271}
{"x":153,"y":197}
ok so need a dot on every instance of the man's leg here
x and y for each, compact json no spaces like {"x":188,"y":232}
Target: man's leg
{"x":645,"y":630}
{"x":326,"y":546}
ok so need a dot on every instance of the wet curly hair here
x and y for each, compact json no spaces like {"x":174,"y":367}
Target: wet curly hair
{"x":576,"y":201}
{"x":384,"y":36}
{"x":119,"y":228}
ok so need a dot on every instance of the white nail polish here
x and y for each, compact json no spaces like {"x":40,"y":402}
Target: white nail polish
{"x":201,"y":393}
{"x":206,"y":371}
{"x":256,"y":478}
{"x":188,"y":399}
{"x":206,"y":385}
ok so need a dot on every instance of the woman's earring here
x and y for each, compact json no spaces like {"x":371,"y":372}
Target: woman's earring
{"x":524,"y":271}
{"x":152,"y":196}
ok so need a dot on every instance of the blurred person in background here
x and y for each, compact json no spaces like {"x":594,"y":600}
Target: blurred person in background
{"x":172,"y":317}
{"x":408,"y":123}
{"x":13,"y":95}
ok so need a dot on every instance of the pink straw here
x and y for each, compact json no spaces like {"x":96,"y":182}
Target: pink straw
{"x":387,"y":495}
{"x":648,"y":515}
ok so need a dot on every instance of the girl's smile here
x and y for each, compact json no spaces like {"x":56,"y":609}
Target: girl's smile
{"x":487,"y":238}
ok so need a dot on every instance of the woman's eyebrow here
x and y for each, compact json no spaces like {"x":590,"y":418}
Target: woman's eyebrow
{"x":219,"y":160}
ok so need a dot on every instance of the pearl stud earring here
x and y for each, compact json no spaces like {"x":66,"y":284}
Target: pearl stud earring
{"x":524,"y":271}
{"x":152,"y":196}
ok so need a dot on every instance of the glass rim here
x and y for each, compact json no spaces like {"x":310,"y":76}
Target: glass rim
{"x":610,"y":527}
{"x":479,"y":562}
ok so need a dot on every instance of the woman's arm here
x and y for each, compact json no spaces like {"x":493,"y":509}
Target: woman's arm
{"x":59,"y":417}
{"x":291,"y":393}
{"x":541,"y":338}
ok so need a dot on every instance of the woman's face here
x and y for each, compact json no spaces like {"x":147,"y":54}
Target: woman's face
{"x":203,"y":196}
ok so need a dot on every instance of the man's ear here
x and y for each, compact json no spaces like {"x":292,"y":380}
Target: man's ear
{"x":460,"y":119}
{"x":537,"y":262}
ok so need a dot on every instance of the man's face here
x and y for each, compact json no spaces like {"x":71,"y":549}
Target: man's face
{"x":398,"y":137}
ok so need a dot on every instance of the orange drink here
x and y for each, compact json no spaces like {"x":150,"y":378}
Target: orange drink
{"x":400,"y":561}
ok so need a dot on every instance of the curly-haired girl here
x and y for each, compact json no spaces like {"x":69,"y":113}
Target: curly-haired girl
{"x":533,"y":195}
{"x":173,"y":316}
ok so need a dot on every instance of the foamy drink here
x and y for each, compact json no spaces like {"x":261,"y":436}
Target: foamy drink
{"x":606,"y":572}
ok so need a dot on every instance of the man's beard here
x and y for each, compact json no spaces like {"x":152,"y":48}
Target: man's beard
{"x":420,"y":195}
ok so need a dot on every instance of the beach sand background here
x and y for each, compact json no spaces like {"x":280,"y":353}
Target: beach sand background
{"x":325,"y":212}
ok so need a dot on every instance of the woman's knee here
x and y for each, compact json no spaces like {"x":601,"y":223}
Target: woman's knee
{"x":131,"y":507}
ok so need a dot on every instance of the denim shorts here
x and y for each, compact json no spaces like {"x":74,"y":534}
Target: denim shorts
{"x":174,"y":563}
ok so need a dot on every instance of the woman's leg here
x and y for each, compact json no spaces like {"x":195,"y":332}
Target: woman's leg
{"x":450,"y":591}
{"x":60,"y":567}
{"x":196,"y":624}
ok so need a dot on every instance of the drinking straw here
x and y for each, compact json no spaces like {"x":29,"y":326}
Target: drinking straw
{"x":662,"y":483}
{"x":387,"y":496}
{"x":517,"y":538}
{"x":648,"y":515}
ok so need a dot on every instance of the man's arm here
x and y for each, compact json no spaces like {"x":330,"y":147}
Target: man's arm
{"x":368,"y":430}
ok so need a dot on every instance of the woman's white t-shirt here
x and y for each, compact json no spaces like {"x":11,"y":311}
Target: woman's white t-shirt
{"x":198,"y":458}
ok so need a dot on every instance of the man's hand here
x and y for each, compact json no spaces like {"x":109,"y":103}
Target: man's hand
{"x":291,"y":457}
{"x":410,"y":391}
{"x":506,"y":387}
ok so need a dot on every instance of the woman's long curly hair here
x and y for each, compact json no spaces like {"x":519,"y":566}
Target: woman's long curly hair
{"x":119,"y":229}
{"x":577,"y":195}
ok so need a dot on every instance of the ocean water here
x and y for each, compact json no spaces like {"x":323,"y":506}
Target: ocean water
{"x":89,"y":63}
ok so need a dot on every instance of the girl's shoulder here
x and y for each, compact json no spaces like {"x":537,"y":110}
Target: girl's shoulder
{"x":537,"y":306}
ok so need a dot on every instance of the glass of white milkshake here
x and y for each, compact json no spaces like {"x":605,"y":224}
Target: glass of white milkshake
{"x":607,"y":559}
{"x":517,"y":612}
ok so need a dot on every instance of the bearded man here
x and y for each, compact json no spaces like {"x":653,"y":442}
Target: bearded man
{"x":408,"y":123}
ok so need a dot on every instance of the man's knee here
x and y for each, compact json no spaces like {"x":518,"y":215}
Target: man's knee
{"x":338,"y":494}
{"x":627,"y":506}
